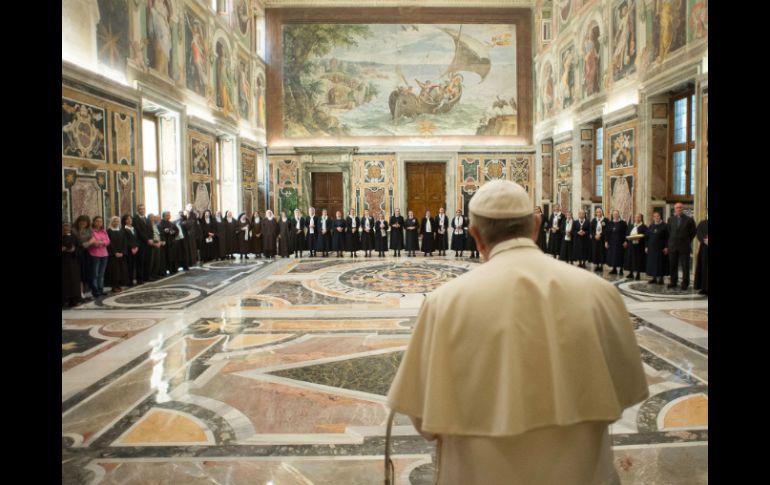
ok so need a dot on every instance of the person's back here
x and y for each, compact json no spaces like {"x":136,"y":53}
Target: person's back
{"x":519,"y":366}
{"x":514,"y":308}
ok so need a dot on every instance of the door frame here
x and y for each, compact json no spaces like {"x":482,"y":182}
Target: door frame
{"x":449,"y":159}
{"x":306,"y":198}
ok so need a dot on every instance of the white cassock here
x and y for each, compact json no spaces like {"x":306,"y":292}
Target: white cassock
{"x":518,"y":387}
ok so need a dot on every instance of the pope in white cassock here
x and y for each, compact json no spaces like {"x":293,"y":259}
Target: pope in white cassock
{"x":519,"y":366}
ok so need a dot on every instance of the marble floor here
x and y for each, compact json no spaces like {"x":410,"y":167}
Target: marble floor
{"x":276,"y":372}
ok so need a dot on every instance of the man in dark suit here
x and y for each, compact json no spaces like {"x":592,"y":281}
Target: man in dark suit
{"x":144,"y":241}
{"x":681,"y":230}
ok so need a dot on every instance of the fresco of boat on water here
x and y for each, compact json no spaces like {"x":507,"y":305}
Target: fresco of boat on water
{"x":399,"y":80}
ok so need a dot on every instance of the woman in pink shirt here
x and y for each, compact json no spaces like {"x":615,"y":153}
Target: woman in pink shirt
{"x":99,"y":255}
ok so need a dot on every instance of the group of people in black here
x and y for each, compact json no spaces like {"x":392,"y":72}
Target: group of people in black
{"x":658,"y":250}
{"x":323,"y":234}
{"x":147,"y":247}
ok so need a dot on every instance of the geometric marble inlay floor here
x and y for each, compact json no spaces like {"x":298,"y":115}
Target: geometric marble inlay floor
{"x":276,"y":372}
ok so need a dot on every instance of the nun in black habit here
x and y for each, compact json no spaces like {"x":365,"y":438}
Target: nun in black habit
{"x":209,"y":245}
{"x":616,"y":236}
{"x":656,"y":247}
{"x":635,"y":255}
{"x":428,"y":231}
{"x":412,"y":226}
{"x":397,"y":233}
{"x":338,"y":234}
{"x":581,"y":245}
{"x":70,"y":268}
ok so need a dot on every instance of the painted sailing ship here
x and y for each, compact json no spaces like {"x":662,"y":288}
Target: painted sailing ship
{"x":470,"y":56}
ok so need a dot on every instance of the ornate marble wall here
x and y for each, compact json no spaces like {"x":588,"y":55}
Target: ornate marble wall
{"x":474,"y":170}
{"x":375,"y":183}
{"x":178,"y":60}
{"x":100,"y":166}
{"x":620,"y":171}
{"x":612,"y":60}
{"x":563,"y":171}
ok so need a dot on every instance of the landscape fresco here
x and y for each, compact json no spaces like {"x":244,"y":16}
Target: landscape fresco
{"x":399,"y":80}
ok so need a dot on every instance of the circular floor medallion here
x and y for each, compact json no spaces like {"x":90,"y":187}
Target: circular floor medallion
{"x":408,"y":277}
{"x":152,"y":297}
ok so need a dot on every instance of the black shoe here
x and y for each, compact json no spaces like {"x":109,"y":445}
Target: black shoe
{"x":684,"y":286}
{"x":671,"y":285}
{"x":638,"y":277}
{"x":652,"y":280}
{"x":614,"y":271}
{"x":621,"y":273}
{"x":703,"y":292}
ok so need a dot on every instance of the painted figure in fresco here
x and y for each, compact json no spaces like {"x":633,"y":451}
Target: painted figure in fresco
{"x":621,"y":151}
{"x":624,"y":53}
{"x":699,"y":20}
{"x":124,"y":179}
{"x":200,"y":158}
{"x":260,"y":101}
{"x":591,"y":61}
{"x":244,"y":89}
{"x":202,"y":199}
{"x":84,"y":138}
{"x":665,"y":19}
{"x":567,"y":78}
{"x":224,"y":81}
{"x":199,"y":73}
{"x":548,"y":92}
{"x":159,"y":13}
{"x":622,"y":197}
{"x":242,"y":11}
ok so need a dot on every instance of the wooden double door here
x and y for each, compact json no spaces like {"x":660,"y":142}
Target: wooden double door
{"x":328,"y":193}
{"x":426,"y":188}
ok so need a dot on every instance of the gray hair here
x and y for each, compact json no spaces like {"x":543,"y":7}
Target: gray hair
{"x":493,"y":231}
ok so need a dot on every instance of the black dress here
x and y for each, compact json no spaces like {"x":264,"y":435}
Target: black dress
{"x":209,"y":248}
{"x":458,"y":239}
{"x":189,"y":245}
{"x":131,"y":259}
{"x":256,"y":236}
{"x":428,"y":237}
{"x":397,"y":233}
{"x":616,"y":236}
{"x":440,"y":238}
{"x":352,"y":239}
{"x":381,"y":235}
{"x":367,"y":238}
{"x":566,"y":252}
{"x":168,"y":234}
{"x":229,"y":235}
{"x":284,"y":241}
{"x":323,"y":241}
{"x":338,"y":235}
{"x":412,"y":229}
{"x":298,"y":234}
{"x":70,"y":270}
{"x":242,"y":237}
{"x":555,"y":238}
{"x":221,"y":227}
{"x":702,"y":264}
{"x":312,"y":223}
{"x":656,"y":240}
{"x":598,"y":251}
{"x":635,"y":256}
{"x":117,"y":269}
{"x":581,"y":245}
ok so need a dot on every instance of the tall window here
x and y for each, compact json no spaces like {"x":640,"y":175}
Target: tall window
{"x":150,"y":157}
{"x":598,"y":163}
{"x":682,"y":154}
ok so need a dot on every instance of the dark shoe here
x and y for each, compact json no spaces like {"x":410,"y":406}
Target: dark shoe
{"x":671,"y":285}
{"x":652,"y":280}
{"x":638,"y":277}
{"x":614,"y":271}
{"x":703,"y":292}
{"x":684,"y":287}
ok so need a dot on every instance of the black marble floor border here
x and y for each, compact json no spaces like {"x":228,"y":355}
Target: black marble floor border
{"x":661,"y":365}
{"x":647,"y":418}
